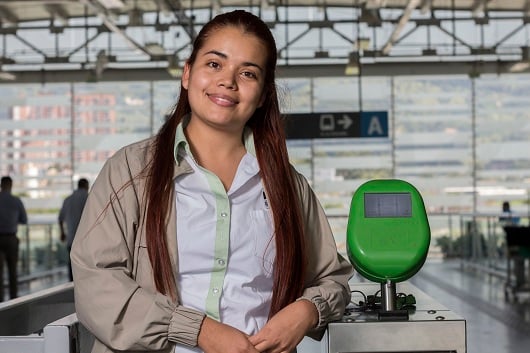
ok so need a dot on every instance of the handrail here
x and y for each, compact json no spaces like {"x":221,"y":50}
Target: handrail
{"x":44,"y":307}
{"x":42,"y":252}
{"x":40,"y":322}
{"x":477,"y":239}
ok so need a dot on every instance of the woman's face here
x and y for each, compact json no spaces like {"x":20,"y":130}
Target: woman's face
{"x":225,"y":83}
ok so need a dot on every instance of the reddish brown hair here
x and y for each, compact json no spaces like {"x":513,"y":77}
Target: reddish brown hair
{"x":276,"y":173}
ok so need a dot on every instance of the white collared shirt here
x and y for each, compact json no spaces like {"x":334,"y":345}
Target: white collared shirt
{"x":225,"y":245}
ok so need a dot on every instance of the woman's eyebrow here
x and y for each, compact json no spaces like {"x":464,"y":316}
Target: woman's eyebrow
{"x":224,"y":56}
{"x":218,"y":53}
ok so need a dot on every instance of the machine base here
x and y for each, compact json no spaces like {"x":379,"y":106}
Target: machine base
{"x":430,"y":327}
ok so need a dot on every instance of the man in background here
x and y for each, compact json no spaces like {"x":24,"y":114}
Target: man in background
{"x":12,"y":213}
{"x":70,"y":214}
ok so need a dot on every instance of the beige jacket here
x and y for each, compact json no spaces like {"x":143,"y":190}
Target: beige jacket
{"x":115,"y":295}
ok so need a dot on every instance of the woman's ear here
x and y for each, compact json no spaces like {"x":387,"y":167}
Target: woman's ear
{"x":186,"y":75}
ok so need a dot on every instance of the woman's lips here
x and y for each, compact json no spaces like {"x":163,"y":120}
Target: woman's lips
{"x":222,"y":100}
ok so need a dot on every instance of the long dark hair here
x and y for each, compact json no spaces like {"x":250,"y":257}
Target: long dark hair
{"x":276,"y":173}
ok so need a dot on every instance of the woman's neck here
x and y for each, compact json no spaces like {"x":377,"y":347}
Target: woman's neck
{"x":216,"y":150}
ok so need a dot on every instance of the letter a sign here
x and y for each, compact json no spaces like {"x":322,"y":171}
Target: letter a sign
{"x":374,"y":124}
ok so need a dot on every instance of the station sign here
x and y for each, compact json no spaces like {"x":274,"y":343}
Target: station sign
{"x":337,"y":125}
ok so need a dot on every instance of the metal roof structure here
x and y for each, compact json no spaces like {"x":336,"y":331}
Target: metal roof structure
{"x":72,"y":40}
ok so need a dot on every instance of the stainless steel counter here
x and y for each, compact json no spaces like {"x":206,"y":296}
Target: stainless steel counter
{"x":430,"y":326}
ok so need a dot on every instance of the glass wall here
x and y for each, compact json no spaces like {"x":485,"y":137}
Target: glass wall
{"x":462,"y":142}
{"x":503,"y":141}
{"x":336,"y":167}
{"x":35,"y":140}
{"x":108,"y":116}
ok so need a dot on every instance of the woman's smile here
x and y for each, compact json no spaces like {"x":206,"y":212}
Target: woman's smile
{"x":222,"y":100}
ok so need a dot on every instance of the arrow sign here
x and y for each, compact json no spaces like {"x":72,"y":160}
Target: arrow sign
{"x":346,"y":122}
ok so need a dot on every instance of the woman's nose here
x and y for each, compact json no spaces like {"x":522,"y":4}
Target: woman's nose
{"x":227,"y":80}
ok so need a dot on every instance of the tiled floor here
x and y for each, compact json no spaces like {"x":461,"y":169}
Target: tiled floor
{"x":493,"y":324}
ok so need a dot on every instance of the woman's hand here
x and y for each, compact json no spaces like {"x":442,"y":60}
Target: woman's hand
{"x":216,"y":337}
{"x":287,"y":328}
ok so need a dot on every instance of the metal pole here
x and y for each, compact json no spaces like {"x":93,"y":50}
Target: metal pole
{"x":393,"y":126}
{"x":475,"y":235}
{"x":49,"y":247}
{"x":359,"y":82}
{"x":474,"y":145}
{"x":151,"y":108}
{"x":72,"y":134}
{"x":388,"y":296}
{"x":312,"y":141}
{"x":27,"y":266}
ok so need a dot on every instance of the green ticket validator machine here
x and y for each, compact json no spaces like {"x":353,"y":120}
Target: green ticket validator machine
{"x":388,"y":237}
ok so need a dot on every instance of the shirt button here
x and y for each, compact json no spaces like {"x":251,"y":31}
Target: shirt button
{"x":223,"y":214}
{"x":215,"y":291}
{"x":221,"y":262}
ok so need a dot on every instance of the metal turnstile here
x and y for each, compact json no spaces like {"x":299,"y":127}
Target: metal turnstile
{"x":430,"y":327}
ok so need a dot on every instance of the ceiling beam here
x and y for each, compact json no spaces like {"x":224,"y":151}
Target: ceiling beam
{"x":479,"y":8}
{"x":8,"y":16}
{"x":109,"y":23}
{"x":176,"y":8}
{"x":527,"y":8}
{"x":386,"y":69}
{"x":374,"y":4}
{"x":426,"y":6}
{"x":411,"y":6}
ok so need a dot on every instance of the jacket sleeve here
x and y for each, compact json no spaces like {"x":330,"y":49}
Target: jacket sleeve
{"x":109,"y":301}
{"x":328,"y":272}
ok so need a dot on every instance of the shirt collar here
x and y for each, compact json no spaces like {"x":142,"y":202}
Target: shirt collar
{"x":180,"y":140}
{"x":182,"y":143}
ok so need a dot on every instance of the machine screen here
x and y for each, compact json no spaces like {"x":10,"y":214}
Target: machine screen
{"x":387,"y":205}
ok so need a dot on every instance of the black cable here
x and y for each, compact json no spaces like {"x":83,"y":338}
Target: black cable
{"x":360,"y":304}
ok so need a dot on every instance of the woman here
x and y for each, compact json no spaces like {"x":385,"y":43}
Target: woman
{"x":204,"y":238}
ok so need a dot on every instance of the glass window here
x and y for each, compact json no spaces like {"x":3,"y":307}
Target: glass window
{"x":433,"y":139}
{"x":108,"y":116}
{"x":336,"y":167}
{"x":503,"y":143}
{"x":35,"y":122}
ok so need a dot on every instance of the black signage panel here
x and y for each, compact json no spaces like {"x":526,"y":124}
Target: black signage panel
{"x":323,"y":125}
{"x":337,"y":125}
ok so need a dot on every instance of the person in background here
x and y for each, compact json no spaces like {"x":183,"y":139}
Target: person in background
{"x":507,"y":218}
{"x":12,"y":213}
{"x":70,"y":213}
{"x":204,"y":238}
{"x":506,"y":210}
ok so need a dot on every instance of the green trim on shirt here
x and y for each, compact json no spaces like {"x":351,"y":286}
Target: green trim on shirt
{"x":222,"y":243}
{"x":222,"y":228}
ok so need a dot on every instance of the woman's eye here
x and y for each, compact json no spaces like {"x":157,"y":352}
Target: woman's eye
{"x":249,"y":74}
{"x":213,"y":64}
